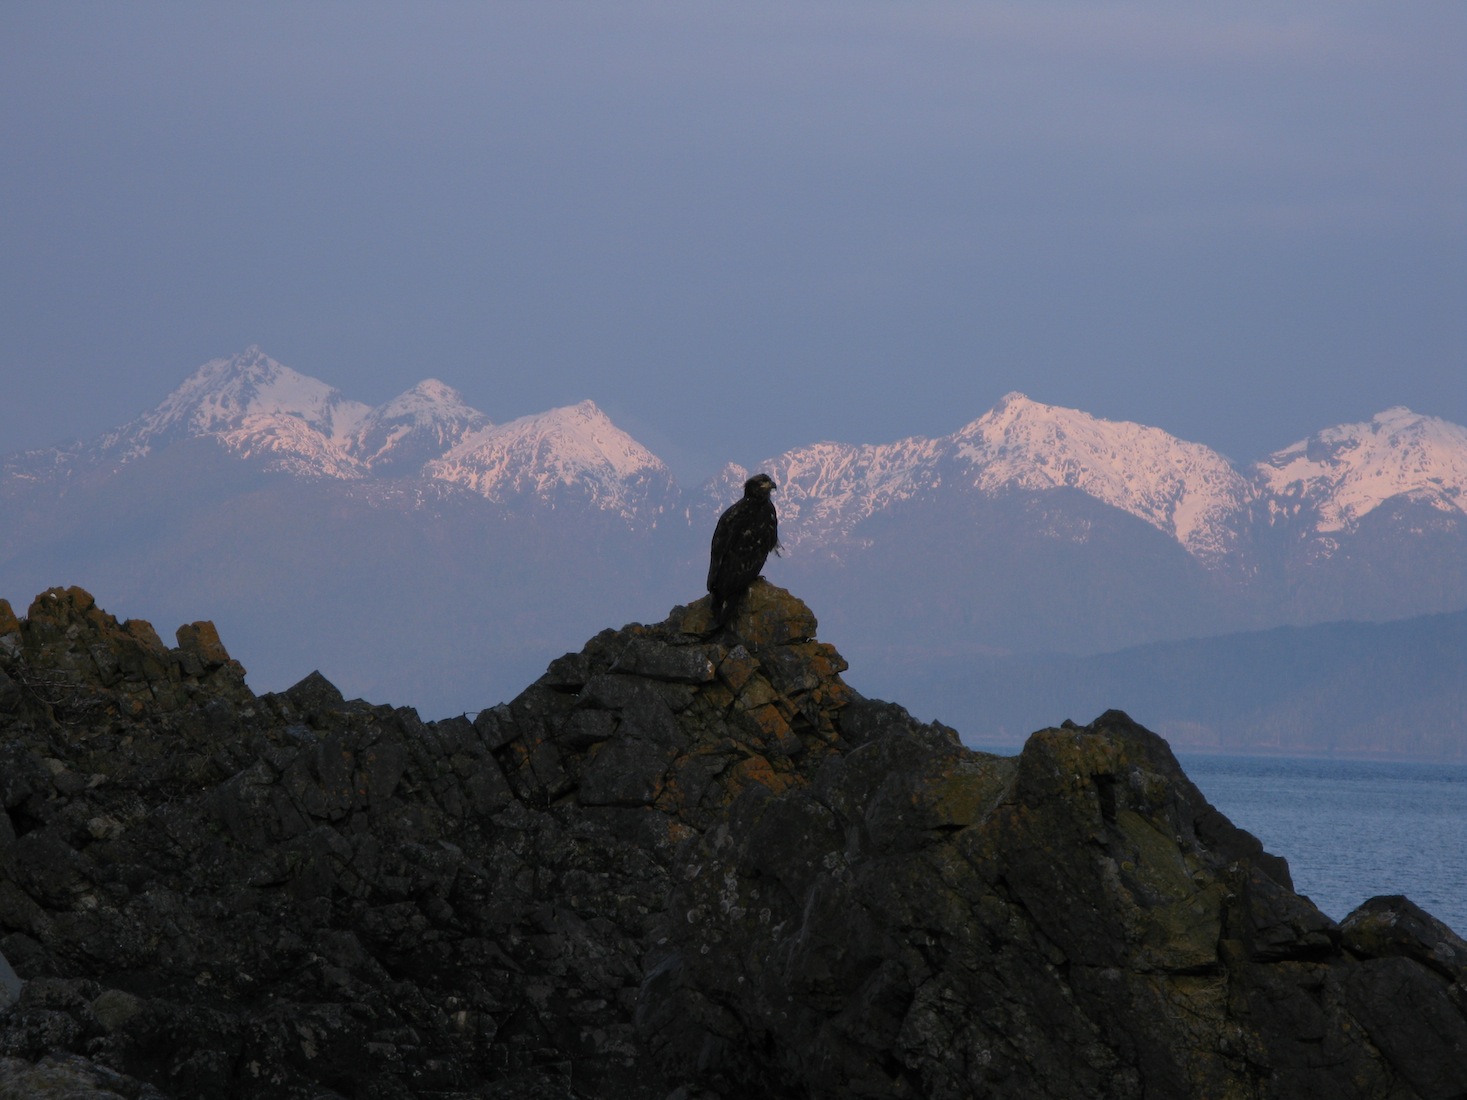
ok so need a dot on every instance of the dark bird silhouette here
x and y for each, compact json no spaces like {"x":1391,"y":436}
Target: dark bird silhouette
{"x":745,"y":535}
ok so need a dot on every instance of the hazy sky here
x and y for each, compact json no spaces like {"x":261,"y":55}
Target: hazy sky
{"x":741,"y":227}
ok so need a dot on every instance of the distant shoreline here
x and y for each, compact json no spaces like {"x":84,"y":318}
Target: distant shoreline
{"x":1010,"y":748}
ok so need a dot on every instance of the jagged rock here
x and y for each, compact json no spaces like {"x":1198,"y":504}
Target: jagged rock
{"x":1394,"y":925}
{"x":72,"y":657}
{"x":680,"y":864}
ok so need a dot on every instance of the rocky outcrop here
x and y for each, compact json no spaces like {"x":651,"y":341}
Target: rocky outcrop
{"x":79,"y":662}
{"x":677,"y":865}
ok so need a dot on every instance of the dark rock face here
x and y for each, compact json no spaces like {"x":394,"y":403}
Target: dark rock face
{"x":674,"y":866}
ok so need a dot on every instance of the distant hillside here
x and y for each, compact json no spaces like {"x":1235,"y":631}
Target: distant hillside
{"x":1395,"y":688}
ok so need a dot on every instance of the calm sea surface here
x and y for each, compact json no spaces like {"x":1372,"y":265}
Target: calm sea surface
{"x":1351,"y":829}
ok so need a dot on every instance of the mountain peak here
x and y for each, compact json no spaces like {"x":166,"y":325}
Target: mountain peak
{"x":1183,"y":489}
{"x":582,"y":422}
{"x":429,"y":400}
{"x":1015,"y":401}
{"x":416,"y":426}
{"x":431,"y":389}
{"x":586,"y":411}
{"x":572,"y":449}
{"x":1341,"y":474}
{"x":1397,"y":416}
{"x":250,"y":402}
{"x":224,"y":392}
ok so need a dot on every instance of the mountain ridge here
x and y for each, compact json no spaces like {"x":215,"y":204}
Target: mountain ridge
{"x":262,"y":410}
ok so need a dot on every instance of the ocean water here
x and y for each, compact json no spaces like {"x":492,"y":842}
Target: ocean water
{"x":1351,"y":829}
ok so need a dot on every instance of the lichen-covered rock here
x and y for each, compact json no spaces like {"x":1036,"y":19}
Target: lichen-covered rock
{"x":69,"y":1077}
{"x":681,"y":863}
{"x":73,"y":658}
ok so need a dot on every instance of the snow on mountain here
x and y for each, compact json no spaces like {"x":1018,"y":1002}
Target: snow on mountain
{"x":575,"y":451}
{"x":1184,"y":489}
{"x":726,"y":486}
{"x":256,"y":408}
{"x":1337,"y":476}
{"x":702,"y":508}
{"x":259,"y":409}
{"x":826,"y":489}
{"x":422,"y":424}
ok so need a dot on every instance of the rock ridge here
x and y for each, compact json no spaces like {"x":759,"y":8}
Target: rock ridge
{"x":679,"y":864}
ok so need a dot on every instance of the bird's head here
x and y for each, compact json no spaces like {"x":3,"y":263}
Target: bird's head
{"x":760,"y":485}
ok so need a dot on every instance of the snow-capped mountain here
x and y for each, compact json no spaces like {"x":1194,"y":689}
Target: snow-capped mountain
{"x":414,"y":428}
{"x":827,"y":489}
{"x":260,"y":410}
{"x":256,"y":408}
{"x":1186,"y":490}
{"x":1333,"y":479}
{"x":574,"y":452}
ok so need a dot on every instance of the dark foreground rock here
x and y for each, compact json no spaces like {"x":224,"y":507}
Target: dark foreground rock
{"x":675,"y":866}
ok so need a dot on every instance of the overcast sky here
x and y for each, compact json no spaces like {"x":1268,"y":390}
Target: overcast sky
{"x":744,"y":226}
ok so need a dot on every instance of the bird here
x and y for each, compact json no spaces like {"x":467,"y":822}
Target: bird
{"x":742,"y":541}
